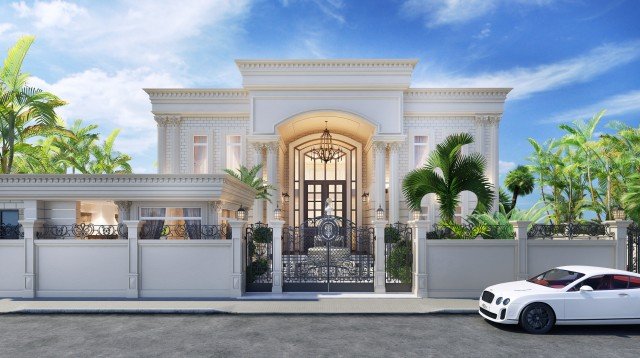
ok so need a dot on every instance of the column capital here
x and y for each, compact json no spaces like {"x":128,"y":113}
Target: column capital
{"x":488,"y":118}
{"x":123,"y":204}
{"x":379,"y":146}
{"x":272,"y":147}
{"x":215,"y":205}
{"x":394,"y":147}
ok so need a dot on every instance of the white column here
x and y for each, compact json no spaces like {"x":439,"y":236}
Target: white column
{"x":238,"y":260}
{"x":175,"y":144}
{"x":30,"y":228}
{"x":394,"y":183}
{"x":520,"y":231}
{"x":215,"y":207}
{"x":619,"y":230}
{"x":133,"y":286}
{"x":124,"y":210}
{"x":276,"y":260}
{"x":272,"y":177}
{"x":379,"y":151}
{"x":494,"y":127}
{"x":419,"y":230}
{"x":258,"y":204}
{"x":379,"y":273}
{"x":162,"y":144}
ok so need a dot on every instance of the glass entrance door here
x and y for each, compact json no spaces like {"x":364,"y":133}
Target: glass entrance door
{"x":316,"y":193}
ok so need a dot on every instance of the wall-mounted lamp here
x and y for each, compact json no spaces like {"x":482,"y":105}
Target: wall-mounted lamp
{"x":277,"y":213}
{"x":365,"y":197}
{"x":285,"y":197}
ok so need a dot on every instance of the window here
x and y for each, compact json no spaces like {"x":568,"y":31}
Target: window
{"x":420,"y":151}
{"x":634,"y":282}
{"x":556,"y":278}
{"x":200,"y":154}
{"x":234,"y":152}
{"x":9,"y":217}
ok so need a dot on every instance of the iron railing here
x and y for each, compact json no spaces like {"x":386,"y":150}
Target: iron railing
{"x":398,"y":253}
{"x":259,"y":256}
{"x":158,"y":231}
{"x":493,"y":232}
{"x":11,"y":232}
{"x":83,"y":232}
{"x":633,"y":248}
{"x":570,"y":231}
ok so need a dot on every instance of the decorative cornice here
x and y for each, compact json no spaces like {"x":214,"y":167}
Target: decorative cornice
{"x":112,"y":179}
{"x":426,"y":94}
{"x":488,"y":118}
{"x":196,"y":94}
{"x":351,"y":65}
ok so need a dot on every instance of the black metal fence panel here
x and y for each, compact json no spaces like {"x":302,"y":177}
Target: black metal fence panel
{"x":398,"y":252}
{"x":11,"y":232}
{"x":328,"y":253}
{"x":83,"y":232}
{"x":156,"y":230}
{"x":259,"y":256}
{"x":633,"y":248}
{"x":570,"y":231}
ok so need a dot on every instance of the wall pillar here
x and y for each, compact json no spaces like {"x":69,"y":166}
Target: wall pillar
{"x":174,"y":123}
{"x":419,"y":230}
{"x":394,"y":183}
{"x":379,"y":273}
{"x":272,"y":177}
{"x":215,"y":208}
{"x":124,"y":210}
{"x":494,"y":128}
{"x":162,"y":144}
{"x":133,"y":286}
{"x":238,"y":260}
{"x":379,"y":152}
{"x":30,"y":227}
{"x":619,"y":230}
{"x":520,"y":229}
{"x":258,"y":204}
{"x":276,"y":260}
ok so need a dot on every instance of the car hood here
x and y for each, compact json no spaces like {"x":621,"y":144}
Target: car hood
{"x":518,"y":288}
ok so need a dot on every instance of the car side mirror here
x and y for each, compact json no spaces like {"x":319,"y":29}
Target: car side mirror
{"x":586,"y":288}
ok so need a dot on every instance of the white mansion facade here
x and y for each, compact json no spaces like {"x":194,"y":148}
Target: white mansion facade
{"x":385,"y":127}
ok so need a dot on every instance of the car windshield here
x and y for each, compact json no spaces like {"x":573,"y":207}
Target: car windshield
{"x":556,"y":278}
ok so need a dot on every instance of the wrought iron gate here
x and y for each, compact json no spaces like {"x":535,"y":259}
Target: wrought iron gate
{"x":328,"y":254}
{"x":259,"y":255}
{"x":633,"y":245}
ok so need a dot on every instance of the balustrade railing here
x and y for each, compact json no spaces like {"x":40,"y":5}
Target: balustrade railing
{"x":11,"y":232}
{"x":83,"y":232}
{"x":157,"y":231}
{"x":570,"y":231}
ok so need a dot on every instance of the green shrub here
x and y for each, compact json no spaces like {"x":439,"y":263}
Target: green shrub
{"x":399,"y":262}
{"x":262,"y":235}
{"x":391,"y":234}
{"x":257,"y":268}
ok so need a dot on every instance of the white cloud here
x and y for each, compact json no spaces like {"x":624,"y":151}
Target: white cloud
{"x":5,"y":27}
{"x":484,"y":33}
{"x":112,"y":101}
{"x":135,"y":32}
{"x":530,"y":80}
{"x":450,"y":12}
{"x":56,"y":13}
{"x":615,"y":105}
{"x":505,"y":167}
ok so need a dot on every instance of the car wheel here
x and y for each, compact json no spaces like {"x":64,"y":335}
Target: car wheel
{"x":537,"y":318}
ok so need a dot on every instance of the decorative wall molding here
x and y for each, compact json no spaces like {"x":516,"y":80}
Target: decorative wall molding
{"x":195,"y":94}
{"x":349,"y":65}
{"x":488,"y":118}
{"x":439,"y":94}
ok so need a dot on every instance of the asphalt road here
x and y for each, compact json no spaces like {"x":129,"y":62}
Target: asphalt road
{"x":300,"y":336}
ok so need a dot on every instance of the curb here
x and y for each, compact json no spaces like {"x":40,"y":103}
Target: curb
{"x":210,"y":311}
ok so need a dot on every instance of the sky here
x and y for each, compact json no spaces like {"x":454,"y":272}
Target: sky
{"x":566,"y":60}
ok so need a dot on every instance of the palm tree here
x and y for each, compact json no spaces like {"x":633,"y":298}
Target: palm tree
{"x":106,"y":160}
{"x":448,"y":173}
{"x":631,"y":199}
{"x":520,"y":182}
{"x":24,"y":111}
{"x":75,"y":151}
{"x":250,"y":177}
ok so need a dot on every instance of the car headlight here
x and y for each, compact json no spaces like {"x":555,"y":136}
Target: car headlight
{"x":506,"y":301}
{"x":499,"y":300}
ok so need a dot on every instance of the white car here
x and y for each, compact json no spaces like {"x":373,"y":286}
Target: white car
{"x":565,"y":295}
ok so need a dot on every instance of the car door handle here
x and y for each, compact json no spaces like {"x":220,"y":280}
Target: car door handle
{"x":623,"y":295}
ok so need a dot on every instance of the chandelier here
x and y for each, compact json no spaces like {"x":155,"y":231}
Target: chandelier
{"x":326,"y":152}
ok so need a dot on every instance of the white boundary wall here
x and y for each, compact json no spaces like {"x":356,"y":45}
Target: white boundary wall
{"x":11,"y":268}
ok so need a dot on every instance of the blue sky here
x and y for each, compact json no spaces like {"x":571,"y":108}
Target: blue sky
{"x":565,"y":59}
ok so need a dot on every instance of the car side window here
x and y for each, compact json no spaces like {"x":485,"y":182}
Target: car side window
{"x":634,"y":282}
{"x":619,"y":282}
{"x":593,"y":282}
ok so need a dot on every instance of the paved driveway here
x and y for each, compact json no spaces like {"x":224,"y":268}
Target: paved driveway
{"x":299,"y":336}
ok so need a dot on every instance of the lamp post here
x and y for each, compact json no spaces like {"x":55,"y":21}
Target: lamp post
{"x":618,"y":213}
{"x":416,"y":214}
{"x":241,"y":214}
{"x":277,"y":213}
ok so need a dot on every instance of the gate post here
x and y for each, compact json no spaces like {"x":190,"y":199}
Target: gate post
{"x":419,"y":229}
{"x":133,"y":228}
{"x":237,"y":249}
{"x":520,"y":235}
{"x":30,"y":228}
{"x":619,"y":230}
{"x":276,"y":251}
{"x":379,"y":273}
